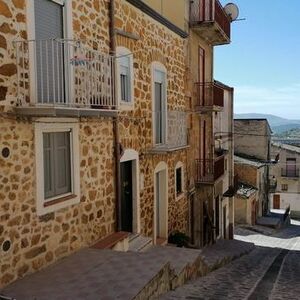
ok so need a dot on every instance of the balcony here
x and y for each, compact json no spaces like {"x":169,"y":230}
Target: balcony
{"x":172,"y":137}
{"x":209,"y":170}
{"x":293,"y":173}
{"x":209,"y":19}
{"x":209,"y":97}
{"x":63,"y":75}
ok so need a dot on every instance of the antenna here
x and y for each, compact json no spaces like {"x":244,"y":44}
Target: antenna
{"x":232,"y":11}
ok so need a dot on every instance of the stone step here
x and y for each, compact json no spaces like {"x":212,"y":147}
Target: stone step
{"x":139,"y":243}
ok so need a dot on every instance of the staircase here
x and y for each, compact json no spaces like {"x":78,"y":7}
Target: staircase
{"x":139,"y":243}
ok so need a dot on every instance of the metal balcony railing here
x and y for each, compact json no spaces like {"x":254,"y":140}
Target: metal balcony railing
{"x":64,"y":73}
{"x":209,"y":11}
{"x":209,"y":170}
{"x":290,"y":173}
{"x":209,"y":96}
{"x":170,"y":133}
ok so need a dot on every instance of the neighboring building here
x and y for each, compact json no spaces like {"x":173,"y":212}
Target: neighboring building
{"x":284,"y":178}
{"x":252,"y":141}
{"x":252,"y":181}
{"x":245,"y":205}
{"x":88,"y":149}
{"x":210,"y":163}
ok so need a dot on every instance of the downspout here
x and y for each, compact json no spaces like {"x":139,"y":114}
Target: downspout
{"x":115,"y":121}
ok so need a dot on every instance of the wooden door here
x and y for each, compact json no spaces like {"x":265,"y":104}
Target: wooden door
{"x":276,"y":201}
{"x":126,"y":196}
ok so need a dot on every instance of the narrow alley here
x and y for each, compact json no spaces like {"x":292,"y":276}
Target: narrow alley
{"x":271,"y":271}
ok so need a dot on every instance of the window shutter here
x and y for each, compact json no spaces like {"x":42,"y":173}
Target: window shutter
{"x":125,"y":81}
{"x":49,"y":24}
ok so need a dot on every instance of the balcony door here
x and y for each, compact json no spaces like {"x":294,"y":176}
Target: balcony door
{"x":50,"y":51}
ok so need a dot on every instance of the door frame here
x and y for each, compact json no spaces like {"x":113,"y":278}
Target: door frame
{"x":163,"y":209}
{"x":133,"y":156}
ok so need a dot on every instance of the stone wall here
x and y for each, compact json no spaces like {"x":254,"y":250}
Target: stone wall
{"x":39,"y":241}
{"x":153,"y":43}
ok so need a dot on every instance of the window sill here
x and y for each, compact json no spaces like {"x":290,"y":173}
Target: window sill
{"x":59,"y":200}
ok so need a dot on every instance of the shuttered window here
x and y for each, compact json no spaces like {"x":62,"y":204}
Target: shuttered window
{"x":49,"y":31}
{"x":57,"y":164}
{"x":160,"y":105}
{"x":125,"y":83}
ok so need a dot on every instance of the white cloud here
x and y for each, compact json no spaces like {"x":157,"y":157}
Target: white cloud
{"x":282,"y":101}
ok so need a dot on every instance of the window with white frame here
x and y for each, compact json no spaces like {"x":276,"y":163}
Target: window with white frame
{"x":125,"y":76}
{"x":179,"y":179}
{"x":57,"y":166}
{"x":159,"y":104}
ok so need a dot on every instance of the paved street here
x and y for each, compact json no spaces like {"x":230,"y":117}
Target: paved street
{"x":271,"y":271}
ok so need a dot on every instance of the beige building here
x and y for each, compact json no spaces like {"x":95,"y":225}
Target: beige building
{"x":92,"y":100}
{"x":211,"y":106}
{"x":252,"y":141}
{"x":250,"y":198}
{"x":284,"y":178}
{"x":245,"y":205}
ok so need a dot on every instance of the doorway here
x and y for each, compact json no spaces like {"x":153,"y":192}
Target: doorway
{"x":130,"y":191}
{"x":126,"y":196}
{"x":276,"y":201}
{"x":224,"y":222}
{"x":160,"y":201}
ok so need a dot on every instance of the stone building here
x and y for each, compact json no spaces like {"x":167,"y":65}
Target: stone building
{"x":284,"y":180}
{"x":91,"y":99}
{"x":211,"y":104}
{"x":251,"y":194}
{"x":252,"y":141}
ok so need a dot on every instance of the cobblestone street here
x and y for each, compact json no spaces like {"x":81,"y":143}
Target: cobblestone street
{"x":271,"y":271}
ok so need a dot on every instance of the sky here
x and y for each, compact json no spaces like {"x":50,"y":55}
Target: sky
{"x":262,"y":62}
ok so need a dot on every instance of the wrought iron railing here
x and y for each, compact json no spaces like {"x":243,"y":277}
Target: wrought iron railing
{"x":171,"y":132}
{"x":203,"y":11}
{"x":209,"y":170}
{"x":209,"y":95}
{"x":56,"y":72}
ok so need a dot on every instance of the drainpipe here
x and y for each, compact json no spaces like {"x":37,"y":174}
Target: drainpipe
{"x":115,"y":122}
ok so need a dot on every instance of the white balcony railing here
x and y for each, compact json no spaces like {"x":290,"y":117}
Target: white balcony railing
{"x":175,"y":130}
{"x":64,"y":73}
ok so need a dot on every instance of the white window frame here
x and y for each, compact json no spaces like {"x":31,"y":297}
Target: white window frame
{"x":179,"y":165}
{"x":125,"y":105}
{"x":159,"y":67}
{"x":68,"y":34}
{"x":53,"y":125}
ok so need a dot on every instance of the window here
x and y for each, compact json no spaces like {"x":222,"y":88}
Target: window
{"x":284,"y":187}
{"x":125,"y":76}
{"x":291,"y":167}
{"x":57,"y":166}
{"x":160,"y":104}
{"x":179,"y":179}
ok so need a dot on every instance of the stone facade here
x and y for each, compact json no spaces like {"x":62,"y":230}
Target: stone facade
{"x":36,"y":241}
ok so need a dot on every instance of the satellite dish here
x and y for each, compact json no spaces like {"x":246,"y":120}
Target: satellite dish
{"x":232,"y":11}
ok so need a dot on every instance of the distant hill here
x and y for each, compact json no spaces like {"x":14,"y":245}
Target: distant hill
{"x":278,"y":124}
